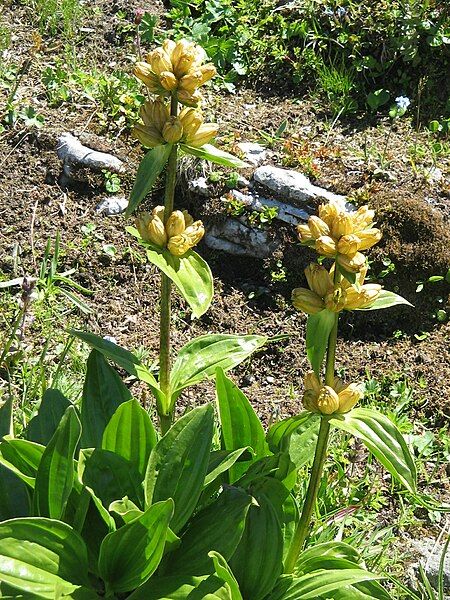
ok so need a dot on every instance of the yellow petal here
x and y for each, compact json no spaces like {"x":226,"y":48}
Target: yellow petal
{"x":307,"y":301}
{"x":173,"y":130}
{"x":175,"y":224}
{"x":328,"y":401}
{"x":326,"y":246}
{"x":349,"y":396}
{"x":318,"y":227}
{"x":319,"y":280}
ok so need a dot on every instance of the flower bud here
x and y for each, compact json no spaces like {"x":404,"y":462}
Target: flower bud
{"x":342,"y":225}
{"x":352,"y":264}
{"x":184,"y":57}
{"x":168,"y":81}
{"x":189,"y":99}
{"x":208,"y":72}
{"x":304,"y":232}
{"x":172,"y":130}
{"x":363,"y":297}
{"x":178,"y":245}
{"x":311,"y":382}
{"x":191,"y":120}
{"x":204,"y":134}
{"x":155,"y":113}
{"x":148,"y":136}
{"x":309,"y":400}
{"x":307,"y":301}
{"x":191,"y":81}
{"x":335,"y":300}
{"x":194,"y":233}
{"x":159,"y":61}
{"x":318,"y":227}
{"x":142,"y":222}
{"x":158,"y":211}
{"x":188,"y":220}
{"x":169,"y":46}
{"x":328,"y":212}
{"x":363,"y":217}
{"x":368,"y":238}
{"x":318,"y":279}
{"x":348,"y":244}
{"x":349,"y":396}
{"x":144,"y":72}
{"x":156,"y":231}
{"x":175,"y":224}
{"x":326,"y":246}
{"x":327,"y":401}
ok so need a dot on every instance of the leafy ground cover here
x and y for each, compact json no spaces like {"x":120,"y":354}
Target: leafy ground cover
{"x":67,"y":67}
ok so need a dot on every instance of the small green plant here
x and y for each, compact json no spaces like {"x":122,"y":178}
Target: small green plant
{"x":55,"y":17}
{"x":264,"y":217}
{"x":235,"y":207}
{"x":112,"y":182}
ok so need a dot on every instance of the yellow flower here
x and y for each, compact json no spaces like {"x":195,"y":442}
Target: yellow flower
{"x":173,"y":130}
{"x":326,"y":246}
{"x":362,"y":298}
{"x":307,"y":301}
{"x":335,"y":300}
{"x":319,"y":280}
{"x":175,"y":223}
{"x":152,"y":229}
{"x":149,"y":136}
{"x":159,"y":61}
{"x":204,"y":134}
{"x":191,"y":120}
{"x":353,"y":264}
{"x":327,"y":400}
{"x":318,"y":227}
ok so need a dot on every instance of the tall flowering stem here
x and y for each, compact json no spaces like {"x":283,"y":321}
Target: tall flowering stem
{"x":320,"y":454}
{"x":166,"y":284}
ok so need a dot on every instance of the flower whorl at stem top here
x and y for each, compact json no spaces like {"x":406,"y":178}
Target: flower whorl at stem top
{"x":179,"y":234}
{"x":339,"y":234}
{"x":161,"y":128}
{"x":327,"y":400}
{"x":176,"y":67}
{"x":323,"y":293}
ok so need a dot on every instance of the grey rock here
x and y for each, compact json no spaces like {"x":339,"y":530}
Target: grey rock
{"x":74,"y":154}
{"x":286,"y":212}
{"x":236,"y":238}
{"x":112,"y":206}
{"x":199,"y":186}
{"x":429,"y":554}
{"x":255,"y":154}
{"x":292,"y":185}
{"x":242,"y":182}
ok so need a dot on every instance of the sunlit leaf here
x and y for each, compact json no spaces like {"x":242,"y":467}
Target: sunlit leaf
{"x":213,"y":154}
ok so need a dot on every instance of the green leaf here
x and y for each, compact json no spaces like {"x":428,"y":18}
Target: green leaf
{"x":110,"y":476}
{"x":377,"y":98}
{"x":179,"y":587}
{"x":130,"y":555}
{"x":217,"y":527}
{"x":240,"y":425}
{"x":281,"y":431}
{"x":103,"y":392}
{"x":51,"y":410}
{"x":123,"y":358}
{"x":386,"y":299}
{"x":200,"y":357}
{"x":130,"y":434}
{"x":178,"y":463}
{"x":213,"y":154}
{"x":22,"y":458}
{"x":6,"y":424}
{"x":224,"y":572}
{"x":190,"y":273}
{"x":42,"y":556}
{"x":321,"y":582}
{"x":126,"y":509}
{"x":151,"y":166}
{"x":258,"y":560}
{"x":221,"y":460}
{"x":384,"y":440}
{"x":55,"y":475}
{"x":14,"y":498}
{"x":318,"y":331}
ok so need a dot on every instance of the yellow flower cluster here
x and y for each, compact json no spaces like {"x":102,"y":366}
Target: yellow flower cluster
{"x":323,"y":293}
{"x":339,"y":234}
{"x":327,"y":400}
{"x":179,"y":234}
{"x":176,"y":67}
{"x":159,"y":127}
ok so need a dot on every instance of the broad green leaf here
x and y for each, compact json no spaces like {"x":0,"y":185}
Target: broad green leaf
{"x":190,"y":273}
{"x":126,"y":509}
{"x":55,"y":475}
{"x":42,"y":556}
{"x":221,"y":460}
{"x":213,"y":154}
{"x":224,"y":572}
{"x":258,"y":560}
{"x":151,"y":166}
{"x":338,"y":550}
{"x":14,"y":498}
{"x":212,"y":588}
{"x":240,"y":425}
{"x":130,"y":434}
{"x":110,"y":476}
{"x":386,"y":299}
{"x":318,"y":331}
{"x":280,"y":432}
{"x":303,"y":442}
{"x":200,"y":357}
{"x":103,"y":392}
{"x":178,"y":464}
{"x":123,"y":358}
{"x":218,"y":527}
{"x":6,"y":424}
{"x":290,"y":518}
{"x":384,"y":440}
{"x":22,"y":458}
{"x":51,"y":410}
{"x":130,"y":555}
{"x":365,"y":590}
{"x":321,"y":582}
{"x":184,"y":587}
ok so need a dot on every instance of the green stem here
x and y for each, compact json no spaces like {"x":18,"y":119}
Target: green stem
{"x":165,"y":419}
{"x":301,"y":533}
